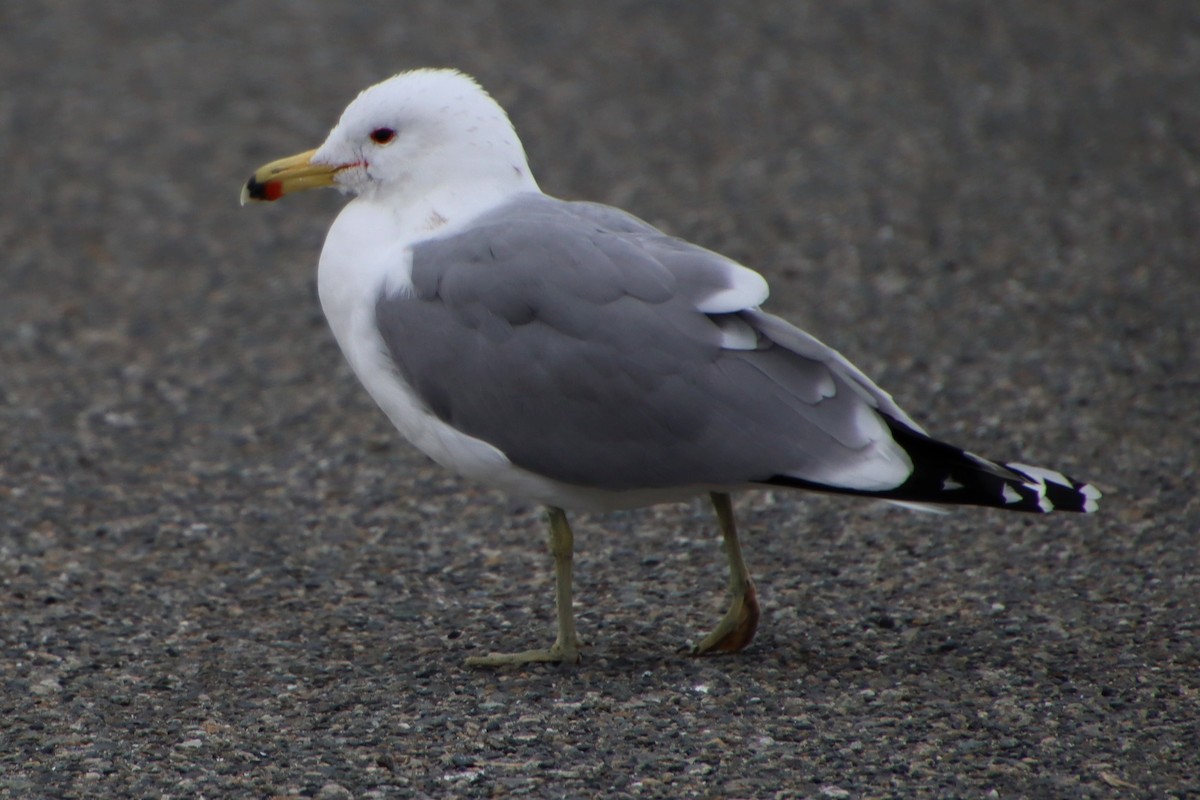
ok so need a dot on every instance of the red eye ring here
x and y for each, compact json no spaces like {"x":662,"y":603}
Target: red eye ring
{"x":382,"y":135}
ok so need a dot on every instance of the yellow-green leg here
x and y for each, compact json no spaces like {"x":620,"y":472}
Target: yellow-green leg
{"x":736,"y":629}
{"x":566,"y":646}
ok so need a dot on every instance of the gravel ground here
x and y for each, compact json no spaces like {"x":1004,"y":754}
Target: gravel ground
{"x":222,"y":574}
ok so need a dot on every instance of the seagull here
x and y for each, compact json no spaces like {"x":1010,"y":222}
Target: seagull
{"x":571,"y":354}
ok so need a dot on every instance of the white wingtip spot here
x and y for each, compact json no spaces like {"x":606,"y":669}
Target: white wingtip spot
{"x":1042,"y":473}
{"x":1091,"y":495}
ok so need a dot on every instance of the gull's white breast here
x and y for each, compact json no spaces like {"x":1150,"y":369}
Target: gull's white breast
{"x":366,"y":254}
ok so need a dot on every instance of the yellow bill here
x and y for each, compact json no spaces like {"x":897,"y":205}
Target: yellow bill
{"x":287,"y":175}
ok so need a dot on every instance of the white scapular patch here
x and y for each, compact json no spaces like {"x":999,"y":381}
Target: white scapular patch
{"x":825,"y":385}
{"x":746,"y":289}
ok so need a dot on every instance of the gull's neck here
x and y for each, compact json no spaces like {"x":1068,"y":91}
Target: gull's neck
{"x":369,"y":244}
{"x":443,"y":210}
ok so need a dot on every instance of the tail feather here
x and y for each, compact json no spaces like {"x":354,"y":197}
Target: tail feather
{"x":947,"y":475}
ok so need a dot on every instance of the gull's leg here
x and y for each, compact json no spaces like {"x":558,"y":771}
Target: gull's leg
{"x":566,"y":646}
{"x":736,"y":628}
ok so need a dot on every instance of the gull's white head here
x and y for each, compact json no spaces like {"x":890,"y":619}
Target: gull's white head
{"x":420,"y":132}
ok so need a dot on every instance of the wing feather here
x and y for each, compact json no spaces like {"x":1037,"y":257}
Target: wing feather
{"x":589,"y":348}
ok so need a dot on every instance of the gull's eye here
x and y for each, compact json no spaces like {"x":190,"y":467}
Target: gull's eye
{"x":382,"y":135}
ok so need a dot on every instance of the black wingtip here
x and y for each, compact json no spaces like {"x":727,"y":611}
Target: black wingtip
{"x":945,"y":474}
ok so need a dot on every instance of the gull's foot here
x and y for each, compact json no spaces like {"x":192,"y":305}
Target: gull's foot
{"x":556,"y":653}
{"x":736,"y":629}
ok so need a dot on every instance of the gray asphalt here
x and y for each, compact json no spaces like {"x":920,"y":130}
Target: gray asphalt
{"x":222,"y":575}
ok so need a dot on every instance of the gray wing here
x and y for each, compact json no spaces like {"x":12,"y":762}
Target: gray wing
{"x":595,"y":350}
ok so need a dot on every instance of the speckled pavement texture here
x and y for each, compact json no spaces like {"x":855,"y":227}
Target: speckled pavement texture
{"x":223,"y":575}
